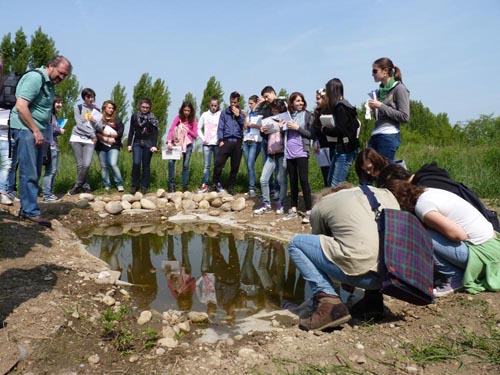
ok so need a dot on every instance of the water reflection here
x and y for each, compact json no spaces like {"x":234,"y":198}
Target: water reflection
{"x":199,"y":268}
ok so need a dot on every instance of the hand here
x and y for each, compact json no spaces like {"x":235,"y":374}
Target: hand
{"x":39,"y":140}
{"x":293,"y":125}
{"x":373,"y":104}
{"x":169,"y":145}
{"x":260,"y":100}
{"x":153,"y":149}
{"x":129,"y":148}
{"x":236,"y":111}
{"x":264,"y":128}
{"x":94,"y":139}
{"x":221,"y":144}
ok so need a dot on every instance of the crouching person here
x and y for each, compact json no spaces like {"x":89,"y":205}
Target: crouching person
{"x":344,"y":246}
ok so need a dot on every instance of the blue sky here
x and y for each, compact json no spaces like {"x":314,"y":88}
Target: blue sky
{"x":447,"y":49}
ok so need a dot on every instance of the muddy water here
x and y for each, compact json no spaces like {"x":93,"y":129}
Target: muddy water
{"x":199,"y":268}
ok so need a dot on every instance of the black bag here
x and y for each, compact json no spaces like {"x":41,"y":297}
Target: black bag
{"x":9,"y":85}
{"x":47,"y":154}
{"x":405,"y":260}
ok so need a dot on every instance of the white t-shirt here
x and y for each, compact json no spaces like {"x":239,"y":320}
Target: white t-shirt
{"x":207,"y":127}
{"x":458,"y":210}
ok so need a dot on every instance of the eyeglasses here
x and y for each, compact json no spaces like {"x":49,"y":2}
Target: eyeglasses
{"x":375,"y":71}
{"x":145,"y":106}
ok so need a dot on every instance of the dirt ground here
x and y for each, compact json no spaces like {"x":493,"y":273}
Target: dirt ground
{"x":50,"y":318}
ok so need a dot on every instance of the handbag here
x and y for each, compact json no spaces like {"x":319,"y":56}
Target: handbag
{"x":405,"y":254}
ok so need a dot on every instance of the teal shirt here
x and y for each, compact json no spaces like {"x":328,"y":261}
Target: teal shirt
{"x":30,"y":89}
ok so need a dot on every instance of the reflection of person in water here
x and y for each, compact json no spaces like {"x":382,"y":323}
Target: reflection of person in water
{"x":250,"y":285}
{"x":110,"y":247}
{"x":271,"y":270}
{"x":227,"y":276}
{"x":205,"y":285}
{"x":180,"y":281}
{"x":141,"y":272}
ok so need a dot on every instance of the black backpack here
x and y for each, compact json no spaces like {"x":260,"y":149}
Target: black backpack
{"x":8,"y":88}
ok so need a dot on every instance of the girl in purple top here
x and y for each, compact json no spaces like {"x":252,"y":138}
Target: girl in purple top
{"x":297,"y":143}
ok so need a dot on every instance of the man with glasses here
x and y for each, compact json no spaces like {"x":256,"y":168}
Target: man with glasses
{"x":31,"y":114}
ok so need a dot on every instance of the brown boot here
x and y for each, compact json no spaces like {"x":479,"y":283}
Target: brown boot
{"x":330,"y":312}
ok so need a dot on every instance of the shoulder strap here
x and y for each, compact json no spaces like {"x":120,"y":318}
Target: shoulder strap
{"x":80,"y":106}
{"x":374,"y":203}
{"x":42,"y":88}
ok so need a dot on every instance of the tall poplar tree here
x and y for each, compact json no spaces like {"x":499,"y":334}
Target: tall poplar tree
{"x":69,"y":90}
{"x":21,"y":52}
{"x":191,"y":99}
{"x":7,"y":52}
{"x":213,"y":88}
{"x":119,"y":97}
{"x":43,"y":48}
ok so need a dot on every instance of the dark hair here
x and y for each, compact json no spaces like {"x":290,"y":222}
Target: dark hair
{"x":146,"y":101}
{"x":191,"y":115}
{"x":103,"y":108}
{"x":253,"y":98}
{"x":57,"y":60}
{"x":406,"y":193}
{"x":57,"y":98}
{"x":392,"y":172}
{"x":267,"y":89}
{"x":278,"y":104}
{"x":334,"y":93}
{"x":379,"y":162}
{"x":235,"y":95}
{"x":87,"y":92}
{"x":393,"y":71}
{"x":214,"y":97}
{"x":294,"y":96}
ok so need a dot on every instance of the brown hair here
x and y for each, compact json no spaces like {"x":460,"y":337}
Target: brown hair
{"x":379,"y":162}
{"x":393,"y":71}
{"x":111,"y":119}
{"x":294,"y":96}
{"x":406,"y":193}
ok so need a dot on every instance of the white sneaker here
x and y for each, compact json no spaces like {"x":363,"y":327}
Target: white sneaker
{"x":263,"y":209}
{"x":291,"y":215}
{"x":4,"y":199}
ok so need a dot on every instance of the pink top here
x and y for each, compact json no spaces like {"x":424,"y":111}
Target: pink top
{"x":192,"y":129}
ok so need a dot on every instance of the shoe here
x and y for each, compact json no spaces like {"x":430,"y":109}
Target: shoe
{"x":13,"y":196}
{"x":252,"y":194}
{"x":87,"y":189}
{"x":133,"y":190}
{"x":171,"y":189}
{"x":120,"y":189}
{"x":279,"y":209}
{"x":263,"y":209}
{"x":38,"y":219}
{"x":74,"y":191}
{"x":306,"y":219}
{"x":371,"y":306}
{"x":218,"y":188}
{"x":184,"y":188}
{"x":448,"y":288}
{"x":107,"y":189}
{"x":203,"y":189}
{"x":51,"y":198}
{"x":4,"y":199}
{"x":291,"y":215}
{"x":231,"y":191}
{"x":144,"y":190}
{"x":330,"y":312}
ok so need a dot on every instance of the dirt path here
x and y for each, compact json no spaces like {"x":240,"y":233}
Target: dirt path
{"x":51,"y":313}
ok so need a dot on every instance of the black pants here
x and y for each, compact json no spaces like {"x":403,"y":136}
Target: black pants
{"x":299,"y":169}
{"x":232,"y":150}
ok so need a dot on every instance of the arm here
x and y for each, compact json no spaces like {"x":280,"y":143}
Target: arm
{"x":220,"y":128}
{"x":22,"y":106}
{"x":131,"y":133}
{"x":402,"y":100}
{"x":193,"y":130}
{"x":201,"y":125}
{"x":174,"y":124}
{"x":445,"y":226}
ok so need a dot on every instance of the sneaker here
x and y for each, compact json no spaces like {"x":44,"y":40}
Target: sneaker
{"x":448,"y":288}
{"x":263,"y":209}
{"x":291,"y":215}
{"x":13,"y":196}
{"x":51,"y":198}
{"x":252,"y":194}
{"x":203,"y":189}
{"x":87,"y":189}
{"x":74,"y":191}
{"x":133,"y":190}
{"x":120,"y":189}
{"x":4,"y":199}
{"x":306,"y":219}
{"x":218,"y":188}
{"x":107,"y":189}
{"x":231,"y":191}
{"x":144,"y":190}
{"x":279,"y":209}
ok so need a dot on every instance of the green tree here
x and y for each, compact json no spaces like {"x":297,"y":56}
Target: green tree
{"x":243,"y":102}
{"x":213,"y":88}
{"x":21,"y":52}
{"x":191,"y":99}
{"x":7,"y":52}
{"x":119,"y":97}
{"x":283,"y":94}
{"x":142,"y":90}
{"x":69,"y":90}
{"x":43,"y":48}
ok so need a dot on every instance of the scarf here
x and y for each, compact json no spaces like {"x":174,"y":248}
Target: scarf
{"x":144,"y":118}
{"x":383,"y":90}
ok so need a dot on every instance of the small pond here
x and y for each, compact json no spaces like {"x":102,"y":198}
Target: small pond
{"x":199,"y":268}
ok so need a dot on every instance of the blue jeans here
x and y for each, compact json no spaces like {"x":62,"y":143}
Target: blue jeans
{"x":251,"y":152}
{"x":141,"y":154}
{"x":209,"y":152}
{"x":83,"y":156}
{"x":30,"y":168}
{"x":4,"y":166}
{"x":50,"y":173}
{"x":305,"y":251}
{"x":385,"y":144}
{"x":339,"y":167}
{"x":186,"y":157}
{"x":450,"y":257}
{"x":109,"y":160}
{"x":274,"y":163}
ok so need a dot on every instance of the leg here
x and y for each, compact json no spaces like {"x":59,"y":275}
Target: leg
{"x":4,"y":166}
{"x":220,"y":161}
{"x":291,"y":167}
{"x":281,"y":178}
{"x":146,"y":166}
{"x":171,"y":175}
{"x":207,"y":161}
{"x":136,"y":165}
{"x":235,"y":163}
{"x":104,"y":161}
{"x":385,"y":144}
{"x":450,"y":257}
{"x":185,"y":166}
{"x":341,"y":163}
{"x":113,"y":156}
{"x":303,"y":168}
{"x":47,"y":180}
{"x":267,"y":172}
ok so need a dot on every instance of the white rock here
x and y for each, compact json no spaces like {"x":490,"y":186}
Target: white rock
{"x":185,"y":326}
{"x":217,"y":202}
{"x":133,"y":358}
{"x":411,"y":369}
{"x":126,"y":205}
{"x":226,"y":207}
{"x":188,"y":205}
{"x":144,"y":317}
{"x":187,"y":195}
{"x":197,"y":317}
{"x":147,"y":204}
{"x":136,"y":205}
{"x":168,"y":342}
{"x":246,"y":353}
{"x":86,"y":196}
{"x":108,"y":300}
{"x":160,"y":193}
{"x":214,"y":212}
{"x":204,"y":205}
{"x":359,"y":346}
{"x":229,"y":341}
{"x":75,"y":315}
{"x":168,"y":332}
{"x":113,"y":207}
{"x":198,"y":198}
{"x":94,"y":359}
{"x":227,"y":198}
{"x":238,"y":204}
{"x":160,"y":351}
{"x":128,"y":198}
{"x":98,"y":206}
